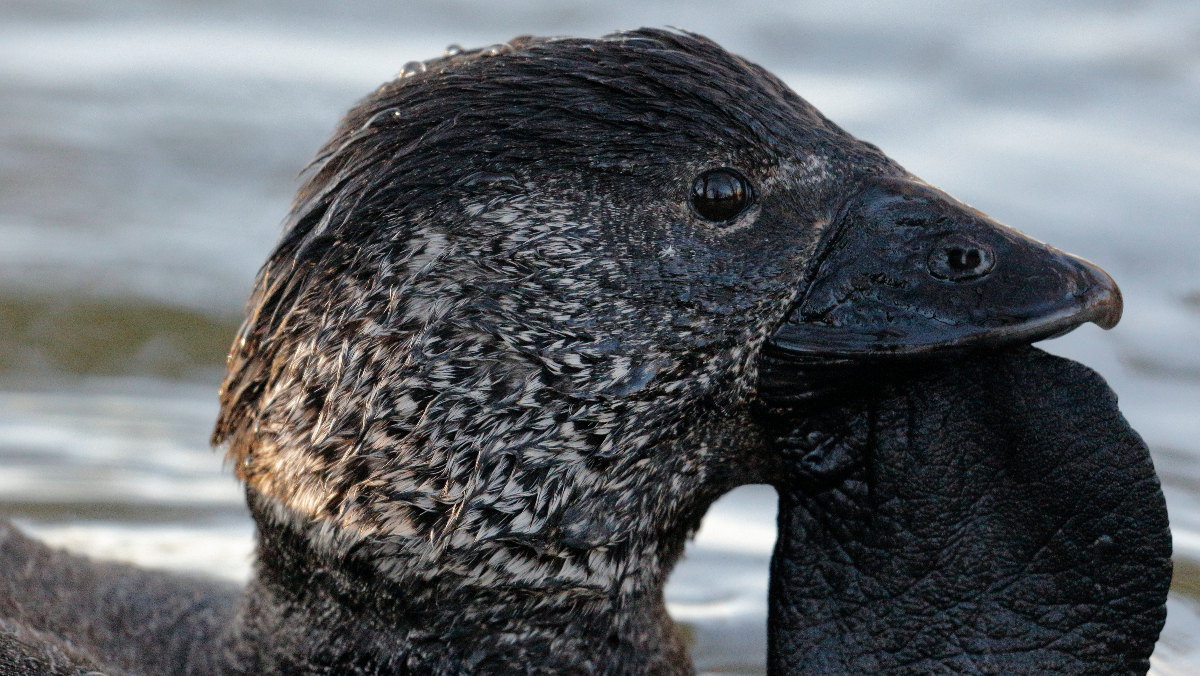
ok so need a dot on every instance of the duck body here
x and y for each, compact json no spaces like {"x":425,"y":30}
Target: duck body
{"x":61,"y":613}
{"x":516,"y":338}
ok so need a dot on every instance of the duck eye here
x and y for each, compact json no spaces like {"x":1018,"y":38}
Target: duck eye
{"x":719,"y":195}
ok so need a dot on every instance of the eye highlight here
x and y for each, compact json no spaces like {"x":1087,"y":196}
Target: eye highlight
{"x":720,"y":195}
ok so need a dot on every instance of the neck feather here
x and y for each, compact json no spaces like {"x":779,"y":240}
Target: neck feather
{"x":320,"y":603}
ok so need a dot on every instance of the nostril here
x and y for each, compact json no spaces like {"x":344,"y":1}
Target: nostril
{"x":957,"y":259}
{"x":963,"y":259}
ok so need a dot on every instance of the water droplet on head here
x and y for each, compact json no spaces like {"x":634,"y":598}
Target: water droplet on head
{"x":412,"y":68}
{"x":383,"y":117}
{"x":496,"y":49}
{"x":453,"y":49}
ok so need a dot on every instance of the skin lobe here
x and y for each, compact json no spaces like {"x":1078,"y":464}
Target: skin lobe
{"x":993,"y":515}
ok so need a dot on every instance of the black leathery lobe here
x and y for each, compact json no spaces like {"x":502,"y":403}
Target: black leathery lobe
{"x":1003,"y":519}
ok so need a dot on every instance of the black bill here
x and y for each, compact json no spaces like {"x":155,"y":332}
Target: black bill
{"x":908,"y":271}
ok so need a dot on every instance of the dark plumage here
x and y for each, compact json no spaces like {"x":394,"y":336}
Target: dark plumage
{"x":495,"y":364}
{"x":62,"y":614}
{"x":501,"y":361}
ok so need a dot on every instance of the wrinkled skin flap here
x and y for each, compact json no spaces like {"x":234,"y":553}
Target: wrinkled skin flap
{"x":990,"y":516}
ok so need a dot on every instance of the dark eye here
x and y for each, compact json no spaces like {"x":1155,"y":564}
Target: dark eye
{"x":719,"y":195}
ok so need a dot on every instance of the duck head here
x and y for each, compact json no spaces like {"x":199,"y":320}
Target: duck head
{"x":504,"y":354}
{"x":508,"y":348}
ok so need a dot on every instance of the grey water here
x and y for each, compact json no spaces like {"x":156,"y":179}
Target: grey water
{"x":149,"y":149}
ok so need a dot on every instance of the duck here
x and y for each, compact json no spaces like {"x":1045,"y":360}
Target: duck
{"x":517,"y":335}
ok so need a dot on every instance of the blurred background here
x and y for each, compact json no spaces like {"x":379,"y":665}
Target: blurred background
{"x":149,"y":149}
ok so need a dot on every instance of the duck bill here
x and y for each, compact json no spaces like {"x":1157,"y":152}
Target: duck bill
{"x":910,"y":271}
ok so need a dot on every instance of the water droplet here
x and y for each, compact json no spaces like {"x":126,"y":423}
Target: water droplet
{"x":411,"y":68}
{"x":453,"y":49}
{"x":496,"y":49}
{"x":383,"y":117}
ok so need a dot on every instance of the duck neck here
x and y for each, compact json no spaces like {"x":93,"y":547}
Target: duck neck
{"x":307,"y":612}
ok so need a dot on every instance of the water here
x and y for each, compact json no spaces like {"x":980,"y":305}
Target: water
{"x":148,"y":151}
{"x":412,"y":68}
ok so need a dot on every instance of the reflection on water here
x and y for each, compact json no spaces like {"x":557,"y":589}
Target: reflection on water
{"x":149,"y":150}
{"x":106,"y":336}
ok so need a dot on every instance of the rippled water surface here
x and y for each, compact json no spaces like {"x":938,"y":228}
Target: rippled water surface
{"x":148,"y":151}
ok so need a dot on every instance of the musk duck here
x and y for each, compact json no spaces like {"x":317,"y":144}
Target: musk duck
{"x":518,"y":334}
